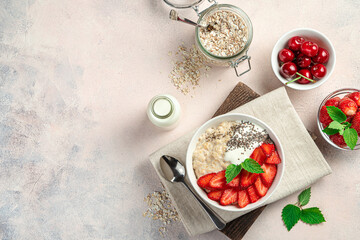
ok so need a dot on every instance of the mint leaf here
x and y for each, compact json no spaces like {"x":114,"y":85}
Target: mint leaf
{"x":336,"y":125}
{"x":252,"y":166}
{"x":330,"y":131}
{"x":290,"y":215}
{"x":304,"y":197}
{"x":232,"y":171}
{"x":312,"y":216}
{"x":350,"y":137}
{"x":336,"y":114}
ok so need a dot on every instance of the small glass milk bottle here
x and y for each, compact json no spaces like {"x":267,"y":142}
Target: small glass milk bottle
{"x":164,"y":111}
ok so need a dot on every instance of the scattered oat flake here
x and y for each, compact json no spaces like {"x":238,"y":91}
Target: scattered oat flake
{"x":186,"y":73}
{"x":160,"y":208}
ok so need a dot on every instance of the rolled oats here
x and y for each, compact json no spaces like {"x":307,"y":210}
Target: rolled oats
{"x":229,"y":35}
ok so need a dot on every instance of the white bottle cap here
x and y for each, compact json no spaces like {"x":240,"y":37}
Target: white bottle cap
{"x":162,"y":108}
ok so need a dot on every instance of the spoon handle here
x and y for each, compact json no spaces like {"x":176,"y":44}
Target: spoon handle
{"x":217,"y":220}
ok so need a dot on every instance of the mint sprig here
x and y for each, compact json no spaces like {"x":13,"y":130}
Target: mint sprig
{"x":339,"y":125}
{"x":249,"y":165}
{"x":292,"y":213}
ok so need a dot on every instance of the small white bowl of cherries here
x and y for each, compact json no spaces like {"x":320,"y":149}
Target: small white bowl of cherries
{"x":303,"y":59}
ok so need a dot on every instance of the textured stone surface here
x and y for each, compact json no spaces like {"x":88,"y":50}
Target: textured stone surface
{"x":75,"y":80}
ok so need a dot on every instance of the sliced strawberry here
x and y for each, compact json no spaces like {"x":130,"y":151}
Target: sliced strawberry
{"x":203,"y":181}
{"x":243,"y":199}
{"x":258,"y":155}
{"x":355,"y":96}
{"x":324,"y":117}
{"x":247,"y":178}
{"x":218,"y":181}
{"x":260,"y":188}
{"x":252,"y":194}
{"x":215,"y":195}
{"x":273,"y":159}
{"x":333,"y":102}
{"x":269,"y":174}
{"x":235,"y":182}
{"x":229,"y":196}
{"x":348,"y":106}
{"x":355,"y":123}
{"x":268,"y":149}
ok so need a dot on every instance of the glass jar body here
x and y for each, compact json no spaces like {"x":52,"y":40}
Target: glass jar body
{"x":226,"y":61}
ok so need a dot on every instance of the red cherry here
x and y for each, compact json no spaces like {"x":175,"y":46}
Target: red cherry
{"x":286,"y":55}
{"x":306,"y":73}
{"x":309,"y":48}
{"x":303,"y":61}
{"x":295,"y":43}
{"x":322,"y":56}
{"x":318,"y":70}
{"x":288,"y":70}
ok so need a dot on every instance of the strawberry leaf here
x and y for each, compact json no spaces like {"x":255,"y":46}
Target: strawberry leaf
{"x":350,"y":137}
{"x":336,"y":114}
{"x":312,"y":216}
{"x":252,"y":166}
{"x":330,"y":131}
{"x":304,"y":197}
{"x":290,"y":215}
{"x":232,"y":171}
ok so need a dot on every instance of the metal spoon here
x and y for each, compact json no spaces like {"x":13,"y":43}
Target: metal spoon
{"x":175,"y":16}
{"x":174,"y":171}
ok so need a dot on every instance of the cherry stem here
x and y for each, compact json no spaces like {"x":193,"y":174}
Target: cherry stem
{"x":293,"y":80}
{"x":311,"y":80}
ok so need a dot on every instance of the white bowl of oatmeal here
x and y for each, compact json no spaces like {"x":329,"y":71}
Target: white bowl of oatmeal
{"x":227,"y":139}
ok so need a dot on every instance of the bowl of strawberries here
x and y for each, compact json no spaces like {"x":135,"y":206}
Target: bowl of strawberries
{"x":235,"y":162}
{"x":339,"y":119}
{"x":303,"y":59}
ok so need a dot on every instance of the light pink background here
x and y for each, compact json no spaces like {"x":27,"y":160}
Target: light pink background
{"x":102,"y":61}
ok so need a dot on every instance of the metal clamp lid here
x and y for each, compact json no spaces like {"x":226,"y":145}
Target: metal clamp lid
{"x":236,"y":63}
{"x":183,"y":3}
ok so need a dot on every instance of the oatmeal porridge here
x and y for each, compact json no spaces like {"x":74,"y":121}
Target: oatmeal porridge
{"x":229,"y":142}
{"x":228,"y":36}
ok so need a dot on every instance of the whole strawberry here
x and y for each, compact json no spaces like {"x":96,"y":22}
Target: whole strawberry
{"x":333,"y":102}
{"x":324,"y":117}
{"x":355,"y":124}
{"x":355,"y":96}
{"x":338,"y":140}
{"x":348,"y":106}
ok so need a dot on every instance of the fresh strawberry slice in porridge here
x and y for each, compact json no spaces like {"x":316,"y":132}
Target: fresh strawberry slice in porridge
{"x":218,"y":181}
{"x":243,"y":199}
{"x":215,"y":195}
{"x":258,"y":155}
{"x":247,"y":178}
{"x":252,"y":194}
{"x":229,"y":196}
{"x":203,"y":181}
{"x":273,"y":159}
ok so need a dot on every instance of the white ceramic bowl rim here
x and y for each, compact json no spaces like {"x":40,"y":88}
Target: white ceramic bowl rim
{"x":214,"y":122}
{"x":325,"y":42}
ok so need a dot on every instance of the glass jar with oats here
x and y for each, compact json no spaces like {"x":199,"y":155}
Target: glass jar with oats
{"x":223,"y":35}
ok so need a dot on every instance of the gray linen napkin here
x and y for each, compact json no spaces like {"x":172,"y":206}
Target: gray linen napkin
{"x":304,"y":161}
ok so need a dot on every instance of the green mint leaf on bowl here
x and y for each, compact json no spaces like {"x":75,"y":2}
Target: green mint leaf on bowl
{"x":350,"y":136}
{"x":304,"y":197}
{"x":252,"y":166}
{"x":312,"y":216}
{"x":336,"y":125}
{"x":336,"y":114}
{"x":249,"y":165}
{"x":232,"y":171}
{"x":330,"y":131}
{"x":290,"y":215}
